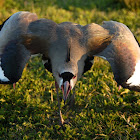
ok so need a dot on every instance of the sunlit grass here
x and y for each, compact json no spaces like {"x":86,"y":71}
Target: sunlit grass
{"x":101,"y":110}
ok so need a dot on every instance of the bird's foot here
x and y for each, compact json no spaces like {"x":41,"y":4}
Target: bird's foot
{"x":62,"y":122}
{"x":62,"y":125}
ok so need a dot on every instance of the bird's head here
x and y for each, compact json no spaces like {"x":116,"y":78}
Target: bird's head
{"x":68,"y":81}
{"x":66,"y":78}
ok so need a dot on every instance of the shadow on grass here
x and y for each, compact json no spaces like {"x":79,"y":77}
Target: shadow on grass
{"x":101,"y":5}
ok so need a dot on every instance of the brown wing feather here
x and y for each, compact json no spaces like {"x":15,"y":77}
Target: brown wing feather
{"x":39,"y":35}
{"x":13,"y":54}
{"x":97,"y":38}
{"x":122,"y":51}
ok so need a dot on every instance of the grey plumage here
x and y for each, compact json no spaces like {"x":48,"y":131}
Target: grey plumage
{"x":123,"y":53}
{"x":67,"y":50}
{"x":109,"y":41}
{"x":69,"y":47}
{"x":13,"y":54}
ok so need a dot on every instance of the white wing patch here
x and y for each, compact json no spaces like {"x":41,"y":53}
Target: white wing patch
{"x":2,"y":77}
{"x":103,"y":57}
{"x":44,"y":61}
{"x":134,"y":80}
{"x":72,"y":83}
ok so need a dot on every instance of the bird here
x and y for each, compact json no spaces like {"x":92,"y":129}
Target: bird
{"x":68,"y":50}
{"x":72,"y":48}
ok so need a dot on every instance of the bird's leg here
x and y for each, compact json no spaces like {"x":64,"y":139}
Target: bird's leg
{"x":60,"y":114}
{"x":72,"y":100}
{"x":119,"y":87}
{"x":14,"y":85}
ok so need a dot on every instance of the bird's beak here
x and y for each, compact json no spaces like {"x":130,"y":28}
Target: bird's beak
{"x":65,"y":89}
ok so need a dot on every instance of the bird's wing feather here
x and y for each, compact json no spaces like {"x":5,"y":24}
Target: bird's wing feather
{"x":39,"y":35}
{"x":13,"y":54}
{"x":38,"y":38}
{"x":13,"y":60}
{"x":116,"y":43}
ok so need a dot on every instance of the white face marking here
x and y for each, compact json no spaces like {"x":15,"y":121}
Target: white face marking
{"x":2,"y":77}
{"x":134,"y":80}
{"x":44,"y":61}
{"x":60,"y":83}
{"x":72,"y":83}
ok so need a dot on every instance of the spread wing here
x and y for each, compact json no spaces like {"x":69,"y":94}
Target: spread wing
{"x":21,"y":36}
{"x":39,"y":36}
{"x":114,"y":42}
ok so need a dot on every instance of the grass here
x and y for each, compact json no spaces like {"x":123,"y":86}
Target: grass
{"x":101,"y":111}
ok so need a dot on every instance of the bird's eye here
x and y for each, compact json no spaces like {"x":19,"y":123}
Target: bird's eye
{"x":74,"y":77}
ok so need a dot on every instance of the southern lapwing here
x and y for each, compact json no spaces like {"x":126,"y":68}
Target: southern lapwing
{"x":72,"y":49}
{"x":68,"y":50}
